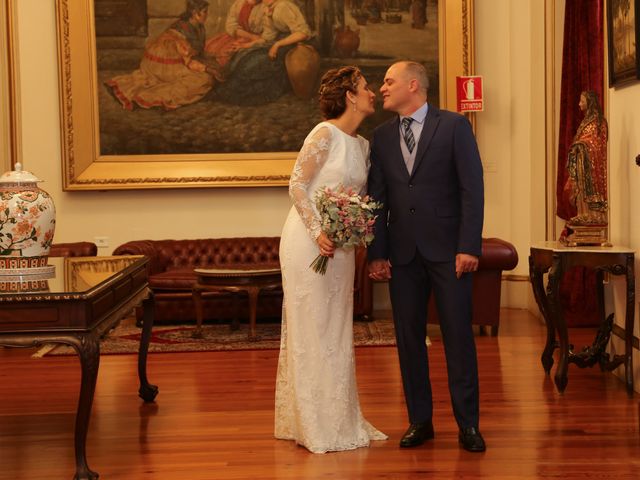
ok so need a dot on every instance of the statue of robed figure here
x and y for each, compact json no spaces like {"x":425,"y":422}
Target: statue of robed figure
{"x":586,"y":185}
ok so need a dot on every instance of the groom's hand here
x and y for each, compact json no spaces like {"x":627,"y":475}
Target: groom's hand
{"x":380,"y":269}
{"x":466,"y":263}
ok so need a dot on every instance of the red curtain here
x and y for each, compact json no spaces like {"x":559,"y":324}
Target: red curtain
{"x":582,"y":69}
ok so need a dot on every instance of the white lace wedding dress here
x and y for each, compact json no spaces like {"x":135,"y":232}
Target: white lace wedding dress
{"x":317,"y":401}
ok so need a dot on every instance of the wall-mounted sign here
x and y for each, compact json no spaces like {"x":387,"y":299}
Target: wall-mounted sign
{"x":469,"y":93}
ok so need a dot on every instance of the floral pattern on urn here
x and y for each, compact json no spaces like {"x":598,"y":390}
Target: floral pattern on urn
{"x":27,"y":221}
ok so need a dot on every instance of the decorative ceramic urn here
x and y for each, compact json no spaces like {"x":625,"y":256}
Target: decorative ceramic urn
{"x":27,"y":222}
{"x":24,"y":286}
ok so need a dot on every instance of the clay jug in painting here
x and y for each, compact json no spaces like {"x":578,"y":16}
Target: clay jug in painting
{"x":303,"y":66}
{"x":27,"y":221}
{"x":346,"y":42}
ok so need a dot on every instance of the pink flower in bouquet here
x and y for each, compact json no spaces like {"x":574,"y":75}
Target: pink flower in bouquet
{"x":346,"y":218}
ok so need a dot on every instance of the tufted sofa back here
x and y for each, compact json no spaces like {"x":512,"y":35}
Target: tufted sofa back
{"x":74,"y":249}
{"x":169,"y":255}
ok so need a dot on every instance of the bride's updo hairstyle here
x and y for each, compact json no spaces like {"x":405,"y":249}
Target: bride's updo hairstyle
{"x":333,"y":90}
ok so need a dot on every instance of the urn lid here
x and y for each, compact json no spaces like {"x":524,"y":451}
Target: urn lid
{"x":18,"y":176}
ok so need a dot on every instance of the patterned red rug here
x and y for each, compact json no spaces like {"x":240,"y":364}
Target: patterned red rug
{"x":125,"y":338}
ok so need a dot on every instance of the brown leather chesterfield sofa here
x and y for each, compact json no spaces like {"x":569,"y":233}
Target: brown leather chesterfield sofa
{"x":171,"y":276}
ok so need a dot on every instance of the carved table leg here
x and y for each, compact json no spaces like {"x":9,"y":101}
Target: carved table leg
{"x":253,"y":306}
{"x":535,"y":275}
{"x":555,"y":310}
{"x":88,"y":348}
{"x":629,"y":324}
{"x":147,"y":391}
{"x":197,"y":302}
{"x":602,"y":316}
{"x":235,"y":301}
{"x":596,"y":353}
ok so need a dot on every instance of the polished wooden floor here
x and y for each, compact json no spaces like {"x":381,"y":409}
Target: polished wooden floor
{"x":213,"y":418}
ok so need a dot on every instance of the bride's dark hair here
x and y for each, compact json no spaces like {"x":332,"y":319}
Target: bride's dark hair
{"x":333,"y":90}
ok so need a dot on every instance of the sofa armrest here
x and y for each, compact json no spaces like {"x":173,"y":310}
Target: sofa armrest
{"x":146,"y":248}
{"x":497,"y":254}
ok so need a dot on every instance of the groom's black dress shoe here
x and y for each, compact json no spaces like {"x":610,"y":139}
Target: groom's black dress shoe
{"x":471,"y":440}
{"x":416,"y":434}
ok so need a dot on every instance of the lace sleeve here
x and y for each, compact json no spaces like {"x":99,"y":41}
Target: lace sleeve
{"x":312,"y":157}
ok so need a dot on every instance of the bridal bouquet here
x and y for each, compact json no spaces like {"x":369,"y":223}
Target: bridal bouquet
{"x":346,"y":218}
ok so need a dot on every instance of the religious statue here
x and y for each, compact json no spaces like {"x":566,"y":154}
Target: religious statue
{"x":586,"y":184}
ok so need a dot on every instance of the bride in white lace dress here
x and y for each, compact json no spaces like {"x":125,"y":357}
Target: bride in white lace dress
{"x":317,"y":401}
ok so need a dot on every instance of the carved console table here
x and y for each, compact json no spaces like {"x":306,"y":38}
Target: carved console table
{"x":84,"y":299}
{"x":555,"y":258}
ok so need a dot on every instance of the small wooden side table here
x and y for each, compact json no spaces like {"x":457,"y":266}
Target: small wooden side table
{"x":231,"y":280}
{"x":555,"y":258}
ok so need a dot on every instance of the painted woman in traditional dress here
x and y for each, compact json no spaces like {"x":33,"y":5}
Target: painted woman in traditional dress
{"x":284,"y":25}
{"x":242,"y":30}
{"x":174,"y":70}
{"x":587,"y":165}
{"x":258,"y":75}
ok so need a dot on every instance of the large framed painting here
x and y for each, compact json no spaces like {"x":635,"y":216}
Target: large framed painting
{"x":623,"y":26}
{"x":158,"y":94}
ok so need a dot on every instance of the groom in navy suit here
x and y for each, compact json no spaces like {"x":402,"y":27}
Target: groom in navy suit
{"x":426,"y":170}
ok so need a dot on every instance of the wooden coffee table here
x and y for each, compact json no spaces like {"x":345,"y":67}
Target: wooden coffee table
{"x":232,"y":280}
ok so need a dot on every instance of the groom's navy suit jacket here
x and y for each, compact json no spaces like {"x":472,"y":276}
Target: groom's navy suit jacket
{"x":438,"y":208}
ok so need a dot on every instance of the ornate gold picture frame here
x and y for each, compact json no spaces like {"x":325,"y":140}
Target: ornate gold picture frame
{"x":85,"y":168}
{"x":623,"y":33}
{"x":9,"y":113}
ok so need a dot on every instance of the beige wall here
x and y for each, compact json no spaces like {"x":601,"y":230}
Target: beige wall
{"x":510,"y":55}
{"x":510,"y":132}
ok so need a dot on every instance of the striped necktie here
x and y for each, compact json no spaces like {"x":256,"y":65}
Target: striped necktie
{"x":407,"y":134}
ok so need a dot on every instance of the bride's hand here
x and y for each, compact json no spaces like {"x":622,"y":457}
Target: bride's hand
{"x":326,"y":246}
{"x":380,"y":269}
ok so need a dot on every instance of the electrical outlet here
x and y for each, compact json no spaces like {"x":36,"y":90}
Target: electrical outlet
{"x":101,"y":242}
